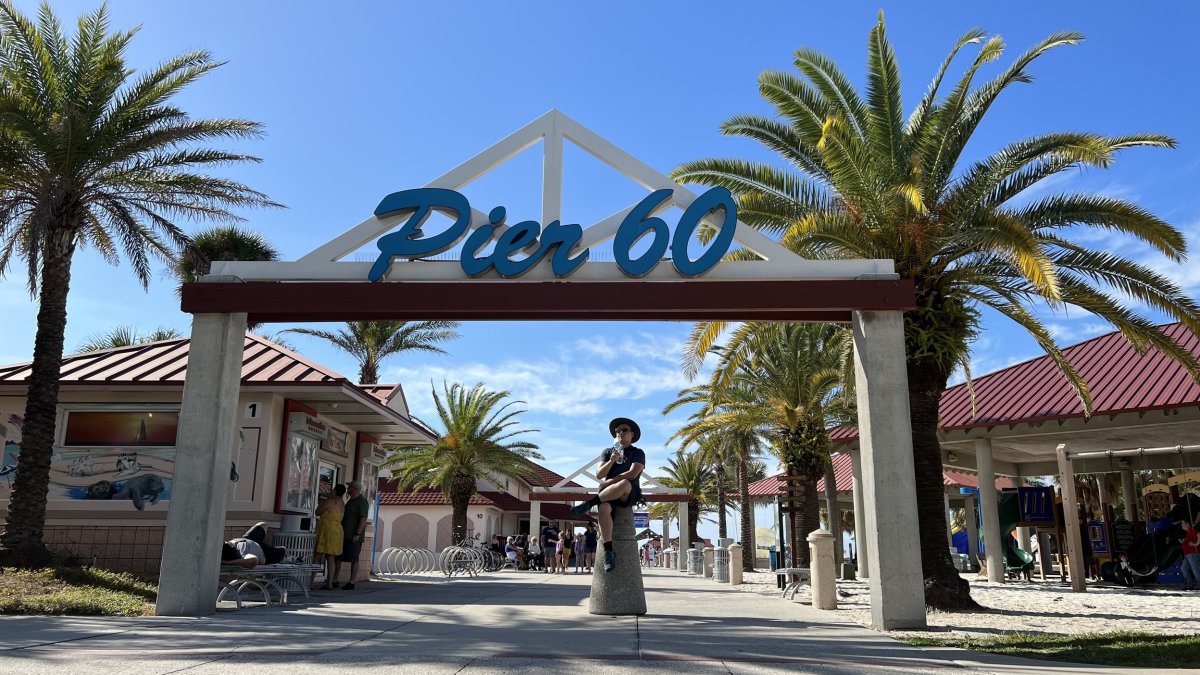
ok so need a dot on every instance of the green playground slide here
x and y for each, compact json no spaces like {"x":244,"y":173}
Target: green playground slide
{"x":1015,"y":559}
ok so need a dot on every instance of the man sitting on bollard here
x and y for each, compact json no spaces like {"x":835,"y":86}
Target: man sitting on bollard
{"x":619,"y":473}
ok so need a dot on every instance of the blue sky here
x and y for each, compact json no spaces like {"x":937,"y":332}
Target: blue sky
{"x":363,"y":99}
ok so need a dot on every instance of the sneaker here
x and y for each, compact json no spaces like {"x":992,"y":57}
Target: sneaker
{"x":610,"y":561}
{"x":579,"y":510}
{"x":348,"y":586}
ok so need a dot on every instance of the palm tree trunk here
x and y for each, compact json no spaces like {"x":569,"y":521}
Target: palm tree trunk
{"x":749,"y":551}
{"x":810,"y":517}
{"x":722,"y":527}
{"x":21,"y":544}
{"x":944,"y":588}
{"x":834,"y":512}
{"x":460,"y":498}
{"x":693,"y":521}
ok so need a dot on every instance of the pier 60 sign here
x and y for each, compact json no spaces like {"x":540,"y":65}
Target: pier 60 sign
{"x":555,"y":240}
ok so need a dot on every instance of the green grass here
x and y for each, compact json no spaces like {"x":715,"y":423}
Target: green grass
{"x":1120,"y":648}
{"x":85,"y":591}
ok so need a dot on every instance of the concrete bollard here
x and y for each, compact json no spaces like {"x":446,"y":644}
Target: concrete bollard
{"x":707,"y":572}
{"x":824,"y":578}
{"x":619,"y":592}
{"x":735,"y":564}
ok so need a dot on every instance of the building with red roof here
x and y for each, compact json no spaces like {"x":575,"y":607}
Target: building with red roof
{"x":303,"y":428}
{"x":421,"y":518}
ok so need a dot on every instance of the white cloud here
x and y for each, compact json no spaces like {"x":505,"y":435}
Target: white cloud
{"x":557,"y":387}
{"x":641,"y":346}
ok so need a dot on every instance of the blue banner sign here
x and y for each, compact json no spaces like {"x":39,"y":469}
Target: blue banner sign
{"x":555,"y":240}
{"x":641,"y":519}
{"x":1037,"y":505}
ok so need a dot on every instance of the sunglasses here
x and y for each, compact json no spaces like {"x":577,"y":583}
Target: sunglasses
{"x":624,"y":430}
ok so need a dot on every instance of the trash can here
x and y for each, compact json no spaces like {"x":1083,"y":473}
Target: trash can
{"x":771,"y":558}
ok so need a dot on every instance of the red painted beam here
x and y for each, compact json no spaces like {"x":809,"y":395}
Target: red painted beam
{"x":797,"y":300}
{"x":584,"y":496}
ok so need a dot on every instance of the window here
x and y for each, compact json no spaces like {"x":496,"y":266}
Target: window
{"x":126,"y":428}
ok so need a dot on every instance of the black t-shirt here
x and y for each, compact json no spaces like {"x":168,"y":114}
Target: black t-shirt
{"x":549,"y":536}
{"x":633,"y":455}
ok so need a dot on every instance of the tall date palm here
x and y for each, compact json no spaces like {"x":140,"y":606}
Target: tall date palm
{"x":92,"y":154}
{"x":476,"y":444}
{"x":862,"y":180}
{"x":370,"y":342}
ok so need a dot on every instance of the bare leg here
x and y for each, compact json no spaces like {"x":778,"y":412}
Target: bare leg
{"x":337,"y":571}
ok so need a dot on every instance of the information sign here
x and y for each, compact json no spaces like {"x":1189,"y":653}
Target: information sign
{"x":1123,"y":534}
{"x":1098,"y":535}
{"x":641,"y":519}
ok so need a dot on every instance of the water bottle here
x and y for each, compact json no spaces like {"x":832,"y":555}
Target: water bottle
{"x":618,"y":450}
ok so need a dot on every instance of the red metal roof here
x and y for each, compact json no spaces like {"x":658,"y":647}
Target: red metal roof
{"x":843,"y":475}
{"x":382,"y":392}
{"x":388,"y":496}
{"x":549,"y":477}
{"x":165,"y":362}
{"x":1120,"y":380}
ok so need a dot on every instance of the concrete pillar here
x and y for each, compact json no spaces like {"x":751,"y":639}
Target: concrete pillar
{"x":1023,"y":535}
{"x":1066,"y":481}
{"x":972,"y":520}
{"x":207,"y":435}
{"x":1129,"y":496}
{"x":861,"y":517}
{"x":619,"y":592}
{"x":735,"y":565}
{"x":823,"y":578}
{"x":685,"y":537}
{"x":535,"y":520}
{"x":949,"y":519}
{"x":991,"y":512}
{"x":885,"y":441}
{"x":835,"y":512}
{"x":707,"y":572}
{"x":666,"y":542}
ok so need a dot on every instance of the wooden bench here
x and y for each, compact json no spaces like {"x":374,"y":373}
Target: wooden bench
{"x":267,"y":579}
{"x":802,"y":576}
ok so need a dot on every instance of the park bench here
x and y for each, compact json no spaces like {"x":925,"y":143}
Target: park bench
{"x":274,"y":579}
{"x":802,"y":575}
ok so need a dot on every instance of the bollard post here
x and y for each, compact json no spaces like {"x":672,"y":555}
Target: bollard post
{"x":619,"y":592}
{"x":823,"y":579}
{"x":720,"y":566}
{"x":735,"y":565}
{"x":707,"y":572}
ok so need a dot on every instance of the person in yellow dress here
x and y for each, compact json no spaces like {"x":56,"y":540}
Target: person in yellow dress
{"x":329,"y":533}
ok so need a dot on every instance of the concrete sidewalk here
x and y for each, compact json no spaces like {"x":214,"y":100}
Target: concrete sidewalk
{"x":511,"y":622}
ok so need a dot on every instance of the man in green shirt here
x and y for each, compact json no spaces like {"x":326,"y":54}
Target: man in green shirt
{"x":354,"y":526}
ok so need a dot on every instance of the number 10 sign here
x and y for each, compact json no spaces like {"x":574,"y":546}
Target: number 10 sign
{"x":1037,"y":506}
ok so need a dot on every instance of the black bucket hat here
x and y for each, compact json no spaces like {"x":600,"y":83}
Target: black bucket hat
{"x":618,"y":421}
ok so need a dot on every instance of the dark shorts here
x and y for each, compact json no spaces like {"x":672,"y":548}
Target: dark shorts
{"x":589,"y":549}
{"x":350,"y":550}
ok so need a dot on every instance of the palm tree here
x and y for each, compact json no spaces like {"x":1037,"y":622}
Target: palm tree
{"x":96,"y":155}
{"x":370,"y":342}
{"x":221,"y":243}
{"x":690,"y":472}
{"x":783,"y":381}
{"x":864,"y":182}
{"x":476,"y":444}
{"x":126,"y":336}
{"x":741,"y":447}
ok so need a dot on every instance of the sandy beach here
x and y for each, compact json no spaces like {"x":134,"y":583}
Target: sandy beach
{"x":1030,"y":607}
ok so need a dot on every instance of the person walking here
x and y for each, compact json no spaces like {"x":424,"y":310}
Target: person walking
{"x":354,"y":526}
{"x":579,"y":544}
{"x":329,"y":533}
{"x":550,"y":536}
{"x":1191,"y":557}
{"x":589,"y":546}
{"x":565,"y":543}
{"x":620,"y":483}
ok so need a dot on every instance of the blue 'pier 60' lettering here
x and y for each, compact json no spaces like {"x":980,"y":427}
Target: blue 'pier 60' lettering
{"x":556,"y":240}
